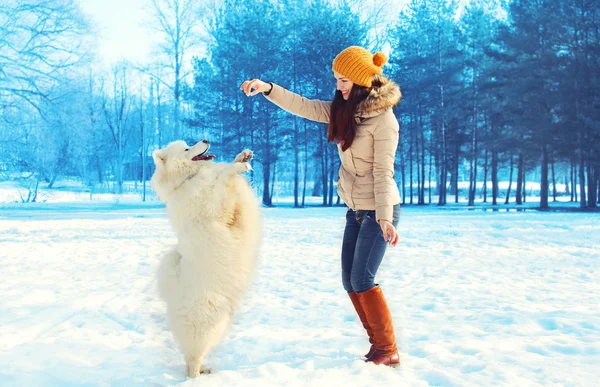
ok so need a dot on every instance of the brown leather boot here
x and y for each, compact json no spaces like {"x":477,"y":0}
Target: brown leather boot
{"x":379,"y":320}
{"x":363,"y":320}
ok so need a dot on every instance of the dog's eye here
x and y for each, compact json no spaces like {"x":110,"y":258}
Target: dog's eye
{"x":187,"y":149}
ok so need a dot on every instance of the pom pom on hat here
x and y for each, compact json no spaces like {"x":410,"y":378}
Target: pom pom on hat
{"x":379,"y":59}
{"x":359,"y":65}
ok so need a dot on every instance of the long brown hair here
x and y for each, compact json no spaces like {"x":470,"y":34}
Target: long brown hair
{"x":342,"y":126}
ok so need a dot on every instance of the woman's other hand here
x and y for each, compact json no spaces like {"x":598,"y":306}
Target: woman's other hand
{"x":255,"y":86}
{"x":390,"y":235}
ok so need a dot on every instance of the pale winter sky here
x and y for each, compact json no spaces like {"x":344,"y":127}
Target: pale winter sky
{"x":122,"y":32}
{"x":120,"y":28}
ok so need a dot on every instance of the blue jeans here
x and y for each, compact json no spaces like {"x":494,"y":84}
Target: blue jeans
{"x":363,"y":249}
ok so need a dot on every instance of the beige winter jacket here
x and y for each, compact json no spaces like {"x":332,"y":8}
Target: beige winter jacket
{"x":366,"y":176}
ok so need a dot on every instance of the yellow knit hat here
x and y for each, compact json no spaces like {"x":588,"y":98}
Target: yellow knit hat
{"x":359,"y":65}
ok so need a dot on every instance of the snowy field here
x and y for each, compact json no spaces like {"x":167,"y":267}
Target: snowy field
{"x":478,"y":299}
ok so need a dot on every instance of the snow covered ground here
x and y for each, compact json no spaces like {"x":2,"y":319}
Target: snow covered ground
{"x":478,"y":299}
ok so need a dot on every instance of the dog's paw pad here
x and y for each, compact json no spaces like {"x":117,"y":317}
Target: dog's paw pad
{"x":247,"y":155}
{"x":244,"y":156}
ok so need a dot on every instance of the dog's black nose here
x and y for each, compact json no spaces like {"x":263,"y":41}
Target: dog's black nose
{"x":205,"y":141}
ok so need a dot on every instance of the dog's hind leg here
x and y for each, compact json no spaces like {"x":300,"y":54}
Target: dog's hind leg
{"x":203,"y":341}
{"x":194,"y":366}
{"x":195,"y":347}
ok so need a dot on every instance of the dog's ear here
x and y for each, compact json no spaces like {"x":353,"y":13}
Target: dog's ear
{"x":160,"y":157}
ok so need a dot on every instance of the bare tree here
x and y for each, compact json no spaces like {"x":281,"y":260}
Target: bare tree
{"x":177,"y":21}
{"x":116,"y":107}
{"x":41,"y":49}
{"x":97,"y":141}
{"x":40,"y":150}
{"x":40,"y":42}
{"x":146,"y":118}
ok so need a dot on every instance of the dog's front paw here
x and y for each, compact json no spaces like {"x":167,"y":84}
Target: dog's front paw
{"x":244,"y":156}
{"x":242,"y":167}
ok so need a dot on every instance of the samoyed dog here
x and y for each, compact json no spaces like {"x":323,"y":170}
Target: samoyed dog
{"x":217,"y":219}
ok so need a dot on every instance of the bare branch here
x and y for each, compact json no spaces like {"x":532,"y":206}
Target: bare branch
{"x":40,"y":42}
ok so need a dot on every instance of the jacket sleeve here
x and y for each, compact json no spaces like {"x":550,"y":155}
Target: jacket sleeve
{"x":311,"y":109}
{"x":385,"y":139}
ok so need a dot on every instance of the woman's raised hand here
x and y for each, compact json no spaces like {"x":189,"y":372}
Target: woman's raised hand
{"x":255,"y":86}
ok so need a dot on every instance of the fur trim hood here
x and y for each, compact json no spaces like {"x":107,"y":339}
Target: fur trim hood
{"x":384,"y":95}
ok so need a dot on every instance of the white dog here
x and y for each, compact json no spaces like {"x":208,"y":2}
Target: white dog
{"x":217,"y":220}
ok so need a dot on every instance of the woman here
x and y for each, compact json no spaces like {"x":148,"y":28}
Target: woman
{"x":363,"y":125}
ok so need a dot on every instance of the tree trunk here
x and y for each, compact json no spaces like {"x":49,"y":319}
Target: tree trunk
{"x":485,"y":173}
{"x":474,"y":150}
{"x":510,"y":179}
{"x":554,"y":193}
{"x":296,"y":162}
{"x":430,"y":169}
{"x":422,"y":193}
{"x":524,"y":187}
{"x":444,"y":161}
{"x":443,"y":172}
{"x":544,"y":178}
{"x":99,"y":168}
{"x":453,"y":182}
{"x":177,"y":108}
{"x":296,"y":126}
{"x":456,"y":172}
{"x":331,"y":177}
{"x":53,"y":180}
{"x":520,"y":174}
{"x":598,"y":183}
{"x":591,"y":185}
{"x":120,"y":164}
{"x":418,"y":158}
{"x":33,"y":192}
{"x":273,"y":179}
{"x":324,"y":163}
{"x":267,"y":161}
{"x":575,"y":182}
{"x":572,"y":181}
{"x":473,"y":172}
{"x":143,"y":139}
{"x":403,"y":171}
{"x":266,"y":177}
{"x":410,"y":160}
{"x":305,"y":165}
{"x":582,"y":195}
{"x":494,"y":177}
{"x":143,"y":151}
{"x":252,"y":144}
{"x":159,"y":128}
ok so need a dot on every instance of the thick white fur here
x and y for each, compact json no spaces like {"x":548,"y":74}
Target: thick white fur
{"x":217,"y":220}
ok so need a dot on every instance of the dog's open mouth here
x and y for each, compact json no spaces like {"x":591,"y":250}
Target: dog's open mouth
{"x":203,"y":157}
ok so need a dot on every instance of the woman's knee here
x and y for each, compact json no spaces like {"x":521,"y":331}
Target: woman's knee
{"x":347,"y":284}
{"x":361,"y":284}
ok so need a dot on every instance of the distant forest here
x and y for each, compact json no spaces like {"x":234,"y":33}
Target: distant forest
{"x":493,"y":92}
